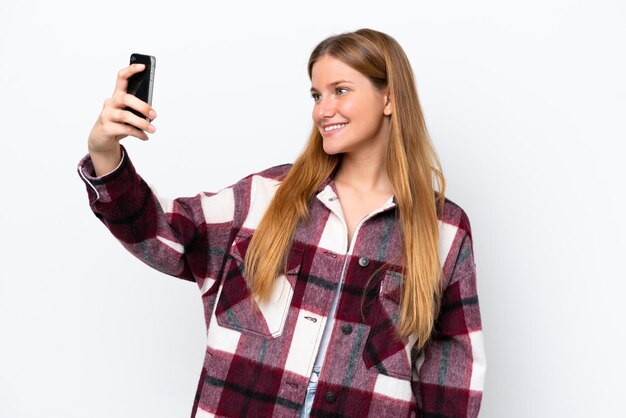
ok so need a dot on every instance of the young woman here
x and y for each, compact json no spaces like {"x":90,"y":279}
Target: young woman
{"x":341,"y":285}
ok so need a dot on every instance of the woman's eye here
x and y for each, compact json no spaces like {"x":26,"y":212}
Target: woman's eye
{"x":316,"y":96}
{"x":341,"y":90}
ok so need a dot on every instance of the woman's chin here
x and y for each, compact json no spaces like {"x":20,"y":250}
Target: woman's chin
{"x":331,"y":149}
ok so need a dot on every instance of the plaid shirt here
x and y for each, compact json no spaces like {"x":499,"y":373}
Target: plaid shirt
{"x":259,"y":355}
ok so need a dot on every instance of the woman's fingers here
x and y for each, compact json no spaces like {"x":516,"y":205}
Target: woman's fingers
{"x":128,"y":100}
{"x":130,"y":130}
{"x":120,"y":130}
{"x":116,"y":122}
{"x":126,"y":116}
{"x":116,"y":109}
{"x":121,"y":84}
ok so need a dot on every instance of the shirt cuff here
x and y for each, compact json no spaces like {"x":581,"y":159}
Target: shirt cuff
{"x":98,"y":187}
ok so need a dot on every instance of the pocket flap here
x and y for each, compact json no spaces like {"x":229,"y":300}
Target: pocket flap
{"x":236,"y":309}
{"x":240,"y":247}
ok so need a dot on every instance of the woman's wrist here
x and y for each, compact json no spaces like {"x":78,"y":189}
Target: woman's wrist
{"x":105,"y":161}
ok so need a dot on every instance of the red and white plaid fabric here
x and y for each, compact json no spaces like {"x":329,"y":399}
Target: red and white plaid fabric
{"x":259,"y":356}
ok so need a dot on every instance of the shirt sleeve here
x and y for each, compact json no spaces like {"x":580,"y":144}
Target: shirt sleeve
{"x":183,"y":237}
{"x":451,"y":367}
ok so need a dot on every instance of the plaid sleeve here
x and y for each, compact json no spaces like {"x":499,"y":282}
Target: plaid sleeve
{"x":184,"y":237}
{"x":451,"y":368}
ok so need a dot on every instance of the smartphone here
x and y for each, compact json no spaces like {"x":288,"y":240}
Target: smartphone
{"x":141,"y":84}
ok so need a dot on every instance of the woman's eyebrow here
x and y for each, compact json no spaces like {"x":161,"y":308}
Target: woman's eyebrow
{"x":334,"y":83}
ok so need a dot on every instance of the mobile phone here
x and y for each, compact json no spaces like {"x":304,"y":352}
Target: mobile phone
{"x":141,"y":84}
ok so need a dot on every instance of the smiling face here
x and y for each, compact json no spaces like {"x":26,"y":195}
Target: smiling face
{"x":352,"y":115}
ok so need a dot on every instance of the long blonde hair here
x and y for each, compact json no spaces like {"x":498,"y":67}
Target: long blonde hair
{"x":413,"y":169}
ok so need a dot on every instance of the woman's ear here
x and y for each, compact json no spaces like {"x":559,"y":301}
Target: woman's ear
{"x":387,"y":108}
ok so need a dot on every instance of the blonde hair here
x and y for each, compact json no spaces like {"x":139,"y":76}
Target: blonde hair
{"x":413,"y":169}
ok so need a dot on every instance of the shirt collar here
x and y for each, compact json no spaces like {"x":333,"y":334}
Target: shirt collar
{"x":327,"y":194}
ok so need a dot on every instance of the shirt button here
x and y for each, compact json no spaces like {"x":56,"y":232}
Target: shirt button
{"x":363,"y":261}
{"x":346,"y":329}
{"x":331,"y":397}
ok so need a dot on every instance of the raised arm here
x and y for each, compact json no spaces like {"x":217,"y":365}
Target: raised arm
{"x":184,"y":237}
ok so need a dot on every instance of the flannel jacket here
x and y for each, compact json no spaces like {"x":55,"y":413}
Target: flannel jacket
{"x":259,"y":356}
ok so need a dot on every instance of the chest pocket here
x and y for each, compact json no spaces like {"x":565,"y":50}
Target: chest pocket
{"x":384,"y":350}
{"x":238,"y":310}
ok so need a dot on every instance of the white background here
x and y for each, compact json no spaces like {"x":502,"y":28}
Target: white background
{"x":525,"y":102}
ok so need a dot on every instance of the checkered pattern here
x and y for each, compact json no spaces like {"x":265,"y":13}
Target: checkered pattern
{"x":259,"y":355}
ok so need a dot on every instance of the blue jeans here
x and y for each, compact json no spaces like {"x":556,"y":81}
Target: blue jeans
{"x":310,"y":393}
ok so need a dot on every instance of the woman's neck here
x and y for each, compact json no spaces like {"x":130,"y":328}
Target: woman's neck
{"x":364,"y":174}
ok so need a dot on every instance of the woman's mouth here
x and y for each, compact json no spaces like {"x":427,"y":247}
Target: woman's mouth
{"x":331,"y":129}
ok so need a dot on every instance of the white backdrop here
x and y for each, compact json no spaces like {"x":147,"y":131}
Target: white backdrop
{"x":525,"y":102}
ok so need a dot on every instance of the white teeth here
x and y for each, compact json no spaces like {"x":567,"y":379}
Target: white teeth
{"x":330,"y":128}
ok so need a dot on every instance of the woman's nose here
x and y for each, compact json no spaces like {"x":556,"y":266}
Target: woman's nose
{"x":326,"y":108}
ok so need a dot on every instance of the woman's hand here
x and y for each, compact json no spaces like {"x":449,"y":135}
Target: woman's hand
{"x":116,"y":123}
